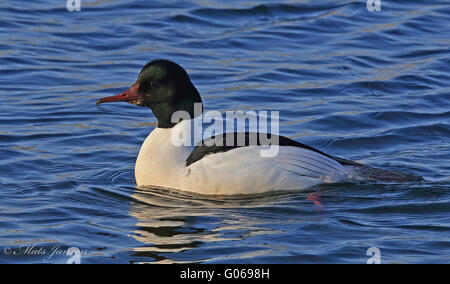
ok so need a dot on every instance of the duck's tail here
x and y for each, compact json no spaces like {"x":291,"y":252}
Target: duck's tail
{"x":367,"y":173}
{"x":362,"y":172}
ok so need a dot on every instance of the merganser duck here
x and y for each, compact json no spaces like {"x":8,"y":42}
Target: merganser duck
{"x":166,"y":88}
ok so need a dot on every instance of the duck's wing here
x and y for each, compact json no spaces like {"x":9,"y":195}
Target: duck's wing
{"x":229,"y":141}
{"x":246,"y":170}
{"x":293,"y":156}
{"x":297,"y":158}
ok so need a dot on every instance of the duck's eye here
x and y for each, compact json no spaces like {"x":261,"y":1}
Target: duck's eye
{"x":146,"y":86}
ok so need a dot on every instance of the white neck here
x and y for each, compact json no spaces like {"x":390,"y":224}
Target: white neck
{"x":160,"y":160}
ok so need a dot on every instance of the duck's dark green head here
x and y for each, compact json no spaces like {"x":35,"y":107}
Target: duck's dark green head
{"x":163,"y":86}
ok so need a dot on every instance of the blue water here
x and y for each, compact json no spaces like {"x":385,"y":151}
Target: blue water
{"x":368,"y":86}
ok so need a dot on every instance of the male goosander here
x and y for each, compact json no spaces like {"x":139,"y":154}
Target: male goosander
{"x":166,"y":88}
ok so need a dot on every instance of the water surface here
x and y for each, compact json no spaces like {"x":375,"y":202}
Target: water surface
{"x":368,"y":86}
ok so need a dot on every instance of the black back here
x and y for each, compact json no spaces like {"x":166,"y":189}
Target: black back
{"x":203,"y":149}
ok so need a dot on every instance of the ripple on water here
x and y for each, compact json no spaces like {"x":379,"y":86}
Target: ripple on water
{"x":372,"y":87}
